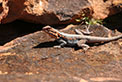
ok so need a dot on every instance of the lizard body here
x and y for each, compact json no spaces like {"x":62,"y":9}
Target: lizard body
{"x":76,"y":39}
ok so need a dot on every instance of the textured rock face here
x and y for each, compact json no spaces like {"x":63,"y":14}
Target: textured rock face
{"x":55,"y":11}
{"x":104,"y":8}
{"x":33,"y":59}
{"x":27,"y":53}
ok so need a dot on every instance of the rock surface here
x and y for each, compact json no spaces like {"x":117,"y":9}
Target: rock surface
{"x":33,"y":58}
{"x":30,"y":56}
{"x":56,"y":11}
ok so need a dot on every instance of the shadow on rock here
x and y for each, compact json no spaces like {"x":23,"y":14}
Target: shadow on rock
{"x":11,"y":31}
{"x":46,"y":44}
{"x":114,"y":22}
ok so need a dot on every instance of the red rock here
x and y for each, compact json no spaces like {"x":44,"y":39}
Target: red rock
{"x":55,"y":11}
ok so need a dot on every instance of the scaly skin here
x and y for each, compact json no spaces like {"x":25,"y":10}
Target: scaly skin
{"x":76,"y":39}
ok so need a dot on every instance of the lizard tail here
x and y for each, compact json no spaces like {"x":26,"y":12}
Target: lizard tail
{"x":102,"y":39}
{"x":116,"y":37}
{"x":113,"y":38}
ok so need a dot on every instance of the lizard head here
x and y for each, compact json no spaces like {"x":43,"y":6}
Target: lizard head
{"x":51,"y":31}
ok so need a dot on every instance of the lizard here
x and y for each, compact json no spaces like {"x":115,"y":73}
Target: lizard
{"x":78,"y":39}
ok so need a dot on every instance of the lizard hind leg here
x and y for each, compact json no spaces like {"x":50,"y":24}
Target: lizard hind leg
{"x":82,"y":44}
{"x":78,"y":32}
{"x":87,"y":32}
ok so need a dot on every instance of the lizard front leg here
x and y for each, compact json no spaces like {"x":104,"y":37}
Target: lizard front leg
{"x":63,"y":43}
{"x":82,"y":44}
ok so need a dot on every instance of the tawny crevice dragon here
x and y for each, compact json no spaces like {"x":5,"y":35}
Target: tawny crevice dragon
{"x":78,"y":39}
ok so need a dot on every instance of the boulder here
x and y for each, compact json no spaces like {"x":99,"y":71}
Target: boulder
{"x":56,"y":11}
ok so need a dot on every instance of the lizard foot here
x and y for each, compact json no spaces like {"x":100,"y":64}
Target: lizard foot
{"x":85,"y":48}
{"x":57,"y":47}
{"x":87,"y":32}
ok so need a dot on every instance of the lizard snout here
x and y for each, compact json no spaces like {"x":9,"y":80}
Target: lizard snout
{"x":46,"y":28}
